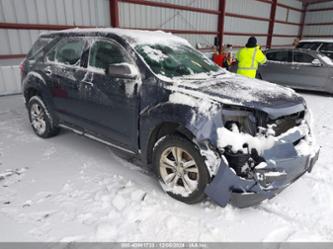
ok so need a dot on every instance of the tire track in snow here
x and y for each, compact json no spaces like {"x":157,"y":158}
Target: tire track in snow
{"x":305,"y":223}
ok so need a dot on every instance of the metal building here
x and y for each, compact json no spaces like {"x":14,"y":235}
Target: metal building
{"x":276,"y":23}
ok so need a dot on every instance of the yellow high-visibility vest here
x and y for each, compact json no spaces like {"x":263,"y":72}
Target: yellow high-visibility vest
{"x":248,"y":61}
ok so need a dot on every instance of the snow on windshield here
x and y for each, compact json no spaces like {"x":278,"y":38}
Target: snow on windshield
{"x":176,"y":60}
{"x":154,"y":54}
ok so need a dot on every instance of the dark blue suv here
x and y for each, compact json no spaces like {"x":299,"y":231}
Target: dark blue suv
{"x":202,"y":130}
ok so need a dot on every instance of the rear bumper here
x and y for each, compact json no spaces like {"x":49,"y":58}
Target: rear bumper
{"x":285,"y":163}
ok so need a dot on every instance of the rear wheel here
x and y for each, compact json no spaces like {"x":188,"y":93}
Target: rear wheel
{"x":259,"y":76}
{"x":41,"y":119}
{"x":181,"y":169}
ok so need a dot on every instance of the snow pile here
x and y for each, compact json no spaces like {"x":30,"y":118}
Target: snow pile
{"x":212,"y":161}
{"x":264,"y":141}
{"x":237,"y":139}
{"x":75,"y":189}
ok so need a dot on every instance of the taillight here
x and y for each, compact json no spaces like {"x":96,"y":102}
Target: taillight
{"x":21,"y":66}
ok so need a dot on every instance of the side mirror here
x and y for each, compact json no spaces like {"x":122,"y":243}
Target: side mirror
{"x":316,"y":63}
{"x":122,"y":70}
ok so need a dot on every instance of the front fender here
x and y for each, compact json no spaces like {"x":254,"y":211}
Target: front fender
{"x":201,"y":126}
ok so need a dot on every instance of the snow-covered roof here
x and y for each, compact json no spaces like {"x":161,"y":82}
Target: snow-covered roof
{"x":316,"y":40}
{"x":133,"y":36}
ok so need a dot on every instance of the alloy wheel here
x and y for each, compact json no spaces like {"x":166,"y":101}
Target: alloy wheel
{"x":179,"y":170}
{"x":37,"y":114}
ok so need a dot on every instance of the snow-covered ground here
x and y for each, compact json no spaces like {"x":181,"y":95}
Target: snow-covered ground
{"x":69,"y":188}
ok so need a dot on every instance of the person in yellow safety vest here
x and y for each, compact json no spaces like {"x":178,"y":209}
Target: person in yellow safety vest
{"x":249,"y":58}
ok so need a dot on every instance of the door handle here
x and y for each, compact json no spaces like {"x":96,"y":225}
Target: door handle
{"x":47,"y":71}
{"x":87,"y":82}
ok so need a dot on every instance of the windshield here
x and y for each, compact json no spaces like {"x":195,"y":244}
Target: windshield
{"x":177,"y":60}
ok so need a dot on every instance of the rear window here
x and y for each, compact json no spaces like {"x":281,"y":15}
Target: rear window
{"x":38,"y":46}
{"x":309,"y":45}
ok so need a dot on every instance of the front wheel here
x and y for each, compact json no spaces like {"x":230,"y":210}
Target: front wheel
{"x":181,"y":169}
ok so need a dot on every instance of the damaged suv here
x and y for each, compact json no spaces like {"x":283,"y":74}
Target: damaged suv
{"x":204,"y":131}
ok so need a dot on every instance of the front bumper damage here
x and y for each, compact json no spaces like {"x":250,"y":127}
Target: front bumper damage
{"x":291,"y":157}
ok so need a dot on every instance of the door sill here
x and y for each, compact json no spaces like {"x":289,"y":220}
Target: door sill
{"x":95,"y":138}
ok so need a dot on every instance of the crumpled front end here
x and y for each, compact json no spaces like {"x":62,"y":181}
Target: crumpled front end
{"x":261,"y":156}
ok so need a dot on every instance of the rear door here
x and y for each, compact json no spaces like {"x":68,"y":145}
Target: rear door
{"x":305,"y":74}
{"x":64,"y":72}
{"x":110,"y":104}
{"x":278,"y":67}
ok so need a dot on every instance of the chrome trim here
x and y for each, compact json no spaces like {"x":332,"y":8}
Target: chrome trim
{"x":95,"y":138}
{"x":72,"y":129}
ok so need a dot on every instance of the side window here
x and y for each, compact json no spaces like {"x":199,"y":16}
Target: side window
{"x":302,"y":57}
{"x":67,"y":52}
{"x":105,"y":53}
{"x":70,"y":52}
{"x":283,"y":56}
{"x":327,"y":47}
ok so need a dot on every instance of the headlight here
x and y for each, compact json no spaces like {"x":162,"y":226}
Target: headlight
{"x":245,"y":120}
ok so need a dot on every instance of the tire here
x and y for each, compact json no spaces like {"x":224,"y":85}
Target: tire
{"x":259,"y":76}
{"x":180,"y":180}
{"x":40,"y":118}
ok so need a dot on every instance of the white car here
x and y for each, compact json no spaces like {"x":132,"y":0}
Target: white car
{"x":324,"y":46}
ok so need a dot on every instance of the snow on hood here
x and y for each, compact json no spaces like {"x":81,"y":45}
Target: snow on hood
{"x":238,"y":90}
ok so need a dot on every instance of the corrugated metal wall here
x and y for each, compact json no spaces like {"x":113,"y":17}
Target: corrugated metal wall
{"x":319,"y":17}
{"x":65,"y":12}
{"x":61,"y":12}
{"x":241,"y":25}
{"x":139,"y":16}
{"x":9,"y":80}
{"x":287,"y":15}
{"x":97,"y":13}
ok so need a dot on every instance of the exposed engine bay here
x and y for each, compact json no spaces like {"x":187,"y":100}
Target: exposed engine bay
{"x":251,"y":139}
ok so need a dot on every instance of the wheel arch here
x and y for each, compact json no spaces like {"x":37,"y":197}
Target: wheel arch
{"x":35,"y":84}
{"x":163,"y":129}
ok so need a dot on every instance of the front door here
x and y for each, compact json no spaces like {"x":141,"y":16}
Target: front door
{"x":307,"y":75}
{"x":110,"y":103}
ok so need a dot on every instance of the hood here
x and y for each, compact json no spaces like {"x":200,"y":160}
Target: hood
{"x":237,"y":90}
